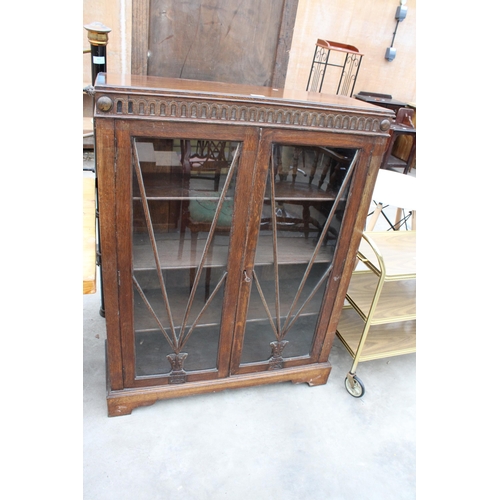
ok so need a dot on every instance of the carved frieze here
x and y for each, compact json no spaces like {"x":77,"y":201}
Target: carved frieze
{"x":238,"y":113}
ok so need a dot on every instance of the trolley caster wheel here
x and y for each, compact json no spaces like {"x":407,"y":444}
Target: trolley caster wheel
{"x":357,"y":389}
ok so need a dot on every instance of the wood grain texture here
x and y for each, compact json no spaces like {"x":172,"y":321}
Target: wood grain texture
{"x":124,"y":402}
{"x":369,"y":26}
{"x":105,"y":154}
{"x":285,"y":37}
{"x":116,"y":131}
{"x":363,"y":185}
{"x":397,"y":300}
{"x":229,"y":40}
{"x":398,"y":249}
{"x":383,"y":341}
{"x":140,"y":37}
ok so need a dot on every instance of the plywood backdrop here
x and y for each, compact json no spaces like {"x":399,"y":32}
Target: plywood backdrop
{"x":216,"y":40}
{"x":368,"y":25}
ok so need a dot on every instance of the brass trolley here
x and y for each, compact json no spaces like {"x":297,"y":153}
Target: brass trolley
{"x":379,"y":317}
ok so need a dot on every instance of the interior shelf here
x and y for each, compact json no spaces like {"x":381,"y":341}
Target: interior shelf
{"x":169,"y":187}
{"x":289,"y":190}
{"x":178,"y":296}
{"x":299,"y":251}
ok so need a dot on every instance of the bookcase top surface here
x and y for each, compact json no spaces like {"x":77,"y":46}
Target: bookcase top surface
{"x":136,"y":84}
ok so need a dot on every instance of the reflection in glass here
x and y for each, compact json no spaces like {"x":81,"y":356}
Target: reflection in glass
{"x":183,"y":193}
{"x":301,"y":218}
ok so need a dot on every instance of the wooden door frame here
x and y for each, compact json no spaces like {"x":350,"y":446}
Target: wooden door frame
{"x":125,"y":133}
{"x":140,"y":40}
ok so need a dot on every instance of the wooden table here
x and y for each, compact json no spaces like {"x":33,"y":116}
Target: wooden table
{"x":384,"y":100}
{"x":89,"y":240}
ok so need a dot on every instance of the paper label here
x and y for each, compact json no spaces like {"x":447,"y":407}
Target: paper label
{"x":99,"y":59}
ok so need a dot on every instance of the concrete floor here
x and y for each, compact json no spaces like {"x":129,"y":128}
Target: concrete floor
{"x":277,"y":442}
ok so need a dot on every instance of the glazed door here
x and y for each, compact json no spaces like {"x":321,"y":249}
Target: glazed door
{"x":178,"y":299}
{"x":302,"y":205}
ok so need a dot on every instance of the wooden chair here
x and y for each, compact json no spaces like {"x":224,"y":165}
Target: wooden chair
{"x":202,"y":167}
{"x":323,"y":169}
{"x":402,"y":129}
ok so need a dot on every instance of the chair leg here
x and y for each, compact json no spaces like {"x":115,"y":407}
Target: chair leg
{"x":306,"y":214}
{"x":373,"y":219}
{"x":399,"y":216}
{"x":400,"y":219}
{"x":193,"y":263}
{"x":208,"y":271}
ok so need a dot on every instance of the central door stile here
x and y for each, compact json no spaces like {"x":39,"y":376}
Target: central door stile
{"x":256,"y":191}
{"x":240,"y":226}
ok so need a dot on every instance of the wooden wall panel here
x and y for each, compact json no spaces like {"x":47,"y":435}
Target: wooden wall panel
{"x":369,"y":26}
{"x":215,"y":40}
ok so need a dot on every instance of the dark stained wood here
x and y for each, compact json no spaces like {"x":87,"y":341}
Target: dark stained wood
{"x":288,"y":16}
{"x":123,"y":225}
{"x":179,"y":109}
{"x":140,"y":37}
{"x":215,"y":40}
{"x":105,"y":151}
{"x":364,"y":195}
{"x":238,"y":245}
{"x":242,"y":94}
{"x":124,"y":402}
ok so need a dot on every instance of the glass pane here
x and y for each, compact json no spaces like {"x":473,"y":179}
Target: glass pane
{"x":183,"y":193}
{"x":303,"y":210}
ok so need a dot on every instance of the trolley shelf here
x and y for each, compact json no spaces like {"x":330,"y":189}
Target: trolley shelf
{"x":396,"y":302}
{"x":390,"y":339}
{"x":397,"y":249}
{"x":379,"y":316}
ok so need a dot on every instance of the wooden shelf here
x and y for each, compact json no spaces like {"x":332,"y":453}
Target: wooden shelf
{"x":170,"y":186}
{"x":300,"y":191}
{"x":396,"y":302}
{"x":296,"y":251}
{"x":178,"y":297}
{"x":171,"y":257}
{"x":391,"y":339}
{"x":145,"y":322}
{"x":293,"y":251}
